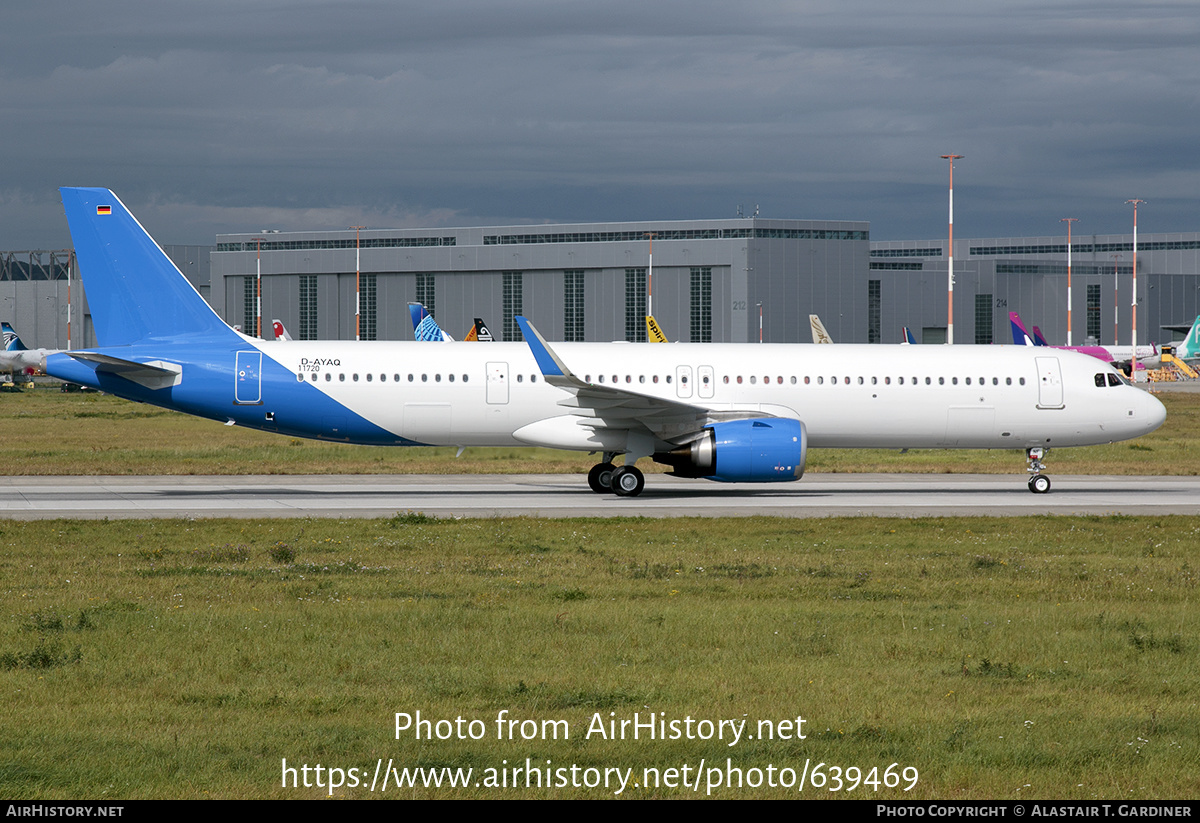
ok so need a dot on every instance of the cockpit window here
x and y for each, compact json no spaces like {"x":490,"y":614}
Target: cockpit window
{"x":1099,"y":381}
{"x":1114,"y":380}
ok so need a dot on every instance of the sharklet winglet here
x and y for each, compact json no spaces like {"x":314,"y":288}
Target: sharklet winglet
{"x":548,"y":361}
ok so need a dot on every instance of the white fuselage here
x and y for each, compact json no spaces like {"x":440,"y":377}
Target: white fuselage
{"x":848,"y":396}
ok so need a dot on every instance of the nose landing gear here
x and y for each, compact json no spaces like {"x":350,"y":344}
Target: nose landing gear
{"x":1038,"y":482}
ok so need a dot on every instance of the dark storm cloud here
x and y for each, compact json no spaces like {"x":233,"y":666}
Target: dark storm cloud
{"x":233,"y":116}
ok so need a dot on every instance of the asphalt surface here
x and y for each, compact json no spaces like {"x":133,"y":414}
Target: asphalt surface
{"x":817,"y":495}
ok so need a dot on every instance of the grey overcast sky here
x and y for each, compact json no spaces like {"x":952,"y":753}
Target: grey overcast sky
{"x":294,"y":114}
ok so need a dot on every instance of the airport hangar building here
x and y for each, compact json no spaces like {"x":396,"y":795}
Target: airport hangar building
{"x":590,"y":282}
{"x":708,"y":280}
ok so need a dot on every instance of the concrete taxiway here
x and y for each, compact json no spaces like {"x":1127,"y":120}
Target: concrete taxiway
{"x":817,"y":495}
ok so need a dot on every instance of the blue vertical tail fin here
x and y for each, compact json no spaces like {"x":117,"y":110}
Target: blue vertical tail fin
{"x":425,"y":328}
{"x":12,"y":340}
{"x":134,"y":291}
{"x":1020,"y":336}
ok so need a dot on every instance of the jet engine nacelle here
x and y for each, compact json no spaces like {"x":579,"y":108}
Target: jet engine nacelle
{"x":765,"y":450}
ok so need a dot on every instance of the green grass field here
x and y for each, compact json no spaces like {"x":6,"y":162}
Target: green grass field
{"x":50,"y":433}
{"x":991,"y":658}
{"x":998,"y":658}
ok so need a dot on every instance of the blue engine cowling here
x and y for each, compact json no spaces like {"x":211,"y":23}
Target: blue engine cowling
{"x":765,"y":450}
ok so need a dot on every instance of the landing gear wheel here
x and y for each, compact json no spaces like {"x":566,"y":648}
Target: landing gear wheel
{"x":628,"y":481}
{"x":600,"y":478}
{"x":1039,"y":484}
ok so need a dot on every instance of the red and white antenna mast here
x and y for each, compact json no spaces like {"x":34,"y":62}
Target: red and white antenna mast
{"x":950,"y":270}
{"x":1069,"y":221}
{"x":1133,"y":316}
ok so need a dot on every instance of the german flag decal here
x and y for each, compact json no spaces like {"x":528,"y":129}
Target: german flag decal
{"x":103,"y":209}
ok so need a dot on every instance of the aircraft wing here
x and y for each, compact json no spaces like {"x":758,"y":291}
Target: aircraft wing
{"x":610,"y":407}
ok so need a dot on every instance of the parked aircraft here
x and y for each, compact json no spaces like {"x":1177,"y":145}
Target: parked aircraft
{"x":12,"y":340}
{"x":1148,"y":357}
{"x":1189,"y":347}
{"x":724,"y":412}
{"x":17,"y":357}
{"x":819,"y":335}
{"x":425,"y":328}
{"x":281,"y":332}
{"x":479,"y":333}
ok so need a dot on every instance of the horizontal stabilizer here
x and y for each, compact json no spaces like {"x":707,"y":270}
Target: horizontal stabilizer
{"x":153,"y":375}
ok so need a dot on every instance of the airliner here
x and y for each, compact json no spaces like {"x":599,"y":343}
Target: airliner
{"x":1189,"y":347}
{"x":724,"y":412}
{"x":819,"y":335}
{"x":18,"y":357}
{"x":1148,"y":356}
{"x":426,"y":329}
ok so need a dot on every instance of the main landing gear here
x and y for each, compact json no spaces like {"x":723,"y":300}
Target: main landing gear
{"x":1038,"y":482}
{"x":625,"y":481}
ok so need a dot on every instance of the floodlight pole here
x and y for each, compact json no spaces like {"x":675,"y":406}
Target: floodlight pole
{"x":1133,"y":317}
{"x":70,"y":271}
{"x":650,"y":278}
{"x":1116,"y":298}
{"x":357,"y":282}
{"x":950,"y":270}
{"x":1069,"y":221}
{"x":258,"y":289}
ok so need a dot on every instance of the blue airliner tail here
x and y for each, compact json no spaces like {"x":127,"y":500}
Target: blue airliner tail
{"x":1020,"y":336}
{"x":425,"y":328}
{"x":134,"y":291}
{"x":11,"y":340}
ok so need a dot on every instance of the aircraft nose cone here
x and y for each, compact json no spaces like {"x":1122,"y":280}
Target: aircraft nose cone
{"x":1154,"y":413}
